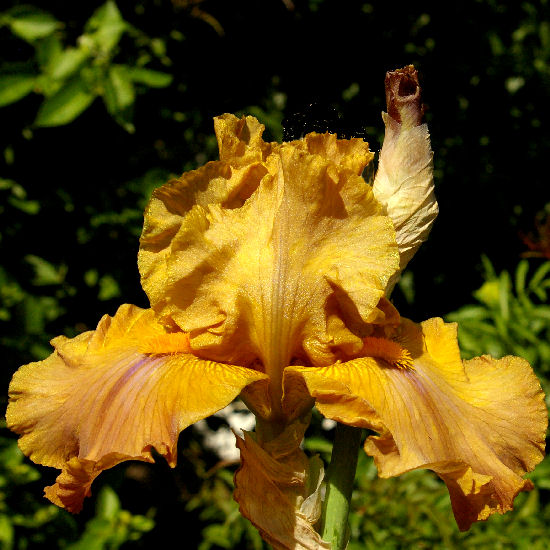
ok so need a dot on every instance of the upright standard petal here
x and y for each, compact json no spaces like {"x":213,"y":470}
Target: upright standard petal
{"x":282,"y":273}
{"x":404,"y":180}
{"x":479,"y":424}
{"x":114,"y":394}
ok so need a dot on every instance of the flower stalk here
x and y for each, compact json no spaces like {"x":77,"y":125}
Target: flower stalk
{"x":339,"y":486}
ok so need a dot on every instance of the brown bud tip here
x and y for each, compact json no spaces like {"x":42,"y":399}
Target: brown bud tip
{"x":403,"y":99}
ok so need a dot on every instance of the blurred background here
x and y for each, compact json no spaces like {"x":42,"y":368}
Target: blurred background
{"x":102,"y":102}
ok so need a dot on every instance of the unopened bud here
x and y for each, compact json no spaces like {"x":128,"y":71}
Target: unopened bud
{"x":404,"y":181}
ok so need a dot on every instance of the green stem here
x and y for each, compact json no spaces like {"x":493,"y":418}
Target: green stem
{"x":339,"y":480}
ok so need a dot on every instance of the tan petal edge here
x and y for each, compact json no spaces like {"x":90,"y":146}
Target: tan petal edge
{"x":277,"y":488}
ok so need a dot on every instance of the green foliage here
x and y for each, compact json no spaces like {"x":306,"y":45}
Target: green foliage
{"x":111,"y":527}
{"x":27,"y":522}
{"x":71,"y":77}
{"x":512,"y":316}
{"x":29,"y":23}
{"x":414,"y":512}
{"x":225,"y":527}
{"x":16,"y":196}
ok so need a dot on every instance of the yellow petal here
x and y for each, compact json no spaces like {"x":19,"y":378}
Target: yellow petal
{"x":479,"y":424}
{"x":111,"y":394}
{"x":240,"y":139}
{"x":261,"y":277}
{"x":351,"y":154}
{"x":404,"y":180}
{"x":278,"y":489}
{"x":73,"y":484}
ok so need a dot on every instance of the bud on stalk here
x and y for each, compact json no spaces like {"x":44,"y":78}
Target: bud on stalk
{"x":404,"y":180}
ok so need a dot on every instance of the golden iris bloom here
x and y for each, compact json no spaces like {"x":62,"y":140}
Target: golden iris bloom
{"x":268,"y":274}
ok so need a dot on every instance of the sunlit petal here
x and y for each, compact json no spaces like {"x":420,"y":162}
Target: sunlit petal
{"x":265,"y":271}
{"x":114,"y":394}
{"x":479,"y":424}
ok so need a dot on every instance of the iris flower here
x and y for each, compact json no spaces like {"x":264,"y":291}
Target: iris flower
{"x":268,"y":274}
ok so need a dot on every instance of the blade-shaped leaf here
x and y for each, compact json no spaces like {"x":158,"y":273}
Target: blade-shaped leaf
{"x":15,"y":87}
{"x":67,"y":62}
{"x":33,"y":24}
{"x":47,"y":50}
{"x":153,"y":79}
{"x":121,"y":88}
{"x":106,"y":26}
{"x":65,"y":105}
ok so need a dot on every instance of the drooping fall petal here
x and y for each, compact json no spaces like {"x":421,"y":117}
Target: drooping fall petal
{"x":114,"y":394}
{"x":404,"y":180}
{"x":479,"y":424}
{"x":278,"y":489}
{"x":267,"y":267}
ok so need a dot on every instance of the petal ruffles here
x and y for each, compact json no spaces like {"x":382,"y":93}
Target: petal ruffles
{"x":114,"y":394}
{"x":288,"y":247}
{"x":480,"y":424}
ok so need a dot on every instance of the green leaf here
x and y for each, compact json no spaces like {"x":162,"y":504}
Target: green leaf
{"x":539,"y":275}
{"x":488,"y":268}
{"x":142,"y":524}
{"x":524,"y":333}
{"x":217,"y":535}
{"x":105,"y":15}
{"x":108,"y":503}
{"x":469,"y":313}
{"x":28,"y":206}
{"x":108,"y":288}
{"x":67,"y":62}
{"x":542,"y":312}
{"x":521,"y":274}
{"x":47,"y":50}
{"x":6,"y":184}
{"x":15,"y":87}
{"x":106,"y":26}
{"x":540,"y":293}
{"x":6,"y":532}
{"x":153,"y":79}
{"x":504,"y":294}
{"x":119,"y":96}
{"x":318,"y":444}
{"x":44,"y":272}
{"x":35,"y":313}
{"x":32,"y":24}
{"x":65,"y":105}
{"x":119,"y":89}
{"x":96,"y":536}
{"x":489,"y":293}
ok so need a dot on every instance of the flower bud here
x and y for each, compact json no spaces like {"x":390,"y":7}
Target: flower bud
{"x":404,"y":180}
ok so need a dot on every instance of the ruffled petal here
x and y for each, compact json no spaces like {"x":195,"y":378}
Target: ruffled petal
{"x":114,"y":394}
{"x":480,"y":425}
{"x":351,"y":154}
{"x":240,"y":140}
{"x":264,"y":278}
{"x":278,"y":489}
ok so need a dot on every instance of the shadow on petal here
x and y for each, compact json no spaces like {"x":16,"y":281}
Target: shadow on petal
{"x":100,"y":399}
{"x":480,"y":424}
